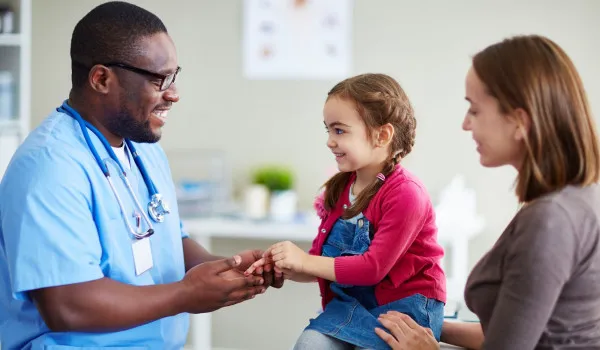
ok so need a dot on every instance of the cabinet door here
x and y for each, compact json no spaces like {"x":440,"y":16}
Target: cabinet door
{"x":8,"y":146}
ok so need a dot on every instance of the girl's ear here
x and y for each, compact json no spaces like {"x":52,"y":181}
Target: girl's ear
{"x":384,"y":135}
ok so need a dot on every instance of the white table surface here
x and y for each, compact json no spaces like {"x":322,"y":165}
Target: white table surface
{"x":448,"y":346}
{"x":304,"y":230}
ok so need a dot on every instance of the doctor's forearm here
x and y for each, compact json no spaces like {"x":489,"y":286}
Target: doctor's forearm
{"x":195,"y":254}
{"x":107,"y":305}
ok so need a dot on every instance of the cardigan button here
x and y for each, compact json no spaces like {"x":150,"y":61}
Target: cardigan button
{"x":345,"y":206}
{"x":323,"y":230}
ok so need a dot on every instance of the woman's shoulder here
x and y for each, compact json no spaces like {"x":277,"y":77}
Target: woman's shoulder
{"x":572,"y":202}
{"x":573,"y":211}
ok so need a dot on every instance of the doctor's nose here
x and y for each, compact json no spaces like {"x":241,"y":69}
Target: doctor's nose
{"x":171,"y":94}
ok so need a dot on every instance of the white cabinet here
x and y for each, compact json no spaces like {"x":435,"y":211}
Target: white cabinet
{"x":15,"y":65}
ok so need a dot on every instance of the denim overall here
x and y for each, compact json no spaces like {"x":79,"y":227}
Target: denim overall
{"x":352,"y":315}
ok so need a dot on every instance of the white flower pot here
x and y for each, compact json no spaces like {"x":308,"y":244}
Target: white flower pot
{"x":256,"y":201}
{"x":283,"y":205}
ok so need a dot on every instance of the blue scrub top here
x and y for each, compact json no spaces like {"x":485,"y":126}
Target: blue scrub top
{"x":60,"y":224}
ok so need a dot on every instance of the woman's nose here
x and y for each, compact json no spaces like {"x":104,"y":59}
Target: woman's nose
{"x":466,"y":124}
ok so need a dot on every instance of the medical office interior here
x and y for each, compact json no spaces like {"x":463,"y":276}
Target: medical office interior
{"x":246,"y":142}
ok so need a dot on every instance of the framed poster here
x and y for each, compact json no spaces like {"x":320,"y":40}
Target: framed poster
{"x":297,"y":39}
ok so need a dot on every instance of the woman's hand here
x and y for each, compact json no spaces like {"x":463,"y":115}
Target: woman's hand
{"x":406,"y":334}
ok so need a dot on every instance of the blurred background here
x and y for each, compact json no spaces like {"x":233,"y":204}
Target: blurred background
{"x":246,"y":142}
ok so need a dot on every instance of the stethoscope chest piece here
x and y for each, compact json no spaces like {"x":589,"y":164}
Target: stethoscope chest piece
{"x":158,"y":208}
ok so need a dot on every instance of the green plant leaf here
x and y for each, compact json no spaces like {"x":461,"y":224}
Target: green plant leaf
{"x":275,"y":178}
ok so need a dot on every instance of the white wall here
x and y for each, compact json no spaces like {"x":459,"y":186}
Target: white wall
{"x":425,"y":44}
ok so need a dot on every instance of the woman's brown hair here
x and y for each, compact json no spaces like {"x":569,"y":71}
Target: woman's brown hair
{"x":533,"y":73}
{"x":379,"y":100}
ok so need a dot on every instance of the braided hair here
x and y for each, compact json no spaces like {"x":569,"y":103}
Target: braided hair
{"x":379,"y":100}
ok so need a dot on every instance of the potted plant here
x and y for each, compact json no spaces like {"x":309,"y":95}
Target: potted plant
{"x":279,"y":180}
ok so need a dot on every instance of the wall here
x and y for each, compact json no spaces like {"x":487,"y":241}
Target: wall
{"x":426,"y":45}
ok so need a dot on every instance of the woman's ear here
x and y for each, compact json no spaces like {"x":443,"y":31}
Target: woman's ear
{"x":385,"y":135}
{"x":523,"y":121}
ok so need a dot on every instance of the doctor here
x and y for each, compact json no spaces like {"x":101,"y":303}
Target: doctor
{"x":92,"y":253}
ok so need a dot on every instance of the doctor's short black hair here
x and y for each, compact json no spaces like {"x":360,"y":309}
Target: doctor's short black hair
{"x":110,"y":33}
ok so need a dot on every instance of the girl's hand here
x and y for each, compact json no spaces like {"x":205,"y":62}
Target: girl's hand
{"x":287,"y":256}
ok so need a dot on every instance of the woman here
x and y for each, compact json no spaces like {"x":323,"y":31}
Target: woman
{"x":537,"y":288}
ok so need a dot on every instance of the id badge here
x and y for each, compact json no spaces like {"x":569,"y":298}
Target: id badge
{"x":142,"y":255}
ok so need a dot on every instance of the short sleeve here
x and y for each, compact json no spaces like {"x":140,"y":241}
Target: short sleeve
{"x":184,"y":233}
{"x":50,"y":237}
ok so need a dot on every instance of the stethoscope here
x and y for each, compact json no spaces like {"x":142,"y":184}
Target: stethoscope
{"x":157,"y":207}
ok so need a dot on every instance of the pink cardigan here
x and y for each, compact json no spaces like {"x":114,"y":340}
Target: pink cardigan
{"x":404,"y":256}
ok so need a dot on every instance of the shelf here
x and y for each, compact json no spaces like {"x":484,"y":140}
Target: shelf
{"x":10,"y":39}
{"x":9,"y":125}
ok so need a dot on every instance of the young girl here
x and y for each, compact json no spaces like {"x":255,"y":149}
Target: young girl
{"x":376,"y":249}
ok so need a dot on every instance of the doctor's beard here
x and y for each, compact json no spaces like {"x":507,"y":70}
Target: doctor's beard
{"x":127,"y":126}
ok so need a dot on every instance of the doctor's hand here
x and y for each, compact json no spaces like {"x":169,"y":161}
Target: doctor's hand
{"x":254,"y":263}
{"x":249,"y":257}
{"x":209,"y":286}
{"x":280,"y":274}
{"x":406,"y":334}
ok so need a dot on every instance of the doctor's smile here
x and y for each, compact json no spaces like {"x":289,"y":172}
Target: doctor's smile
{"x":160,"y":116}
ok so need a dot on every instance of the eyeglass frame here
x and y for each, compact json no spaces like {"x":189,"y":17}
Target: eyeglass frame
{"x":141,"y":71}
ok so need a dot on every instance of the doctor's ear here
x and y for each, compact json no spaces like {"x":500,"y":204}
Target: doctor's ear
{"x":523,"y":122}
{"x":99,"y":78}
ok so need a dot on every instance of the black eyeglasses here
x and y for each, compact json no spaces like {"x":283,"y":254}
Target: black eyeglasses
{"x":165,"y":80}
